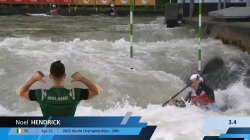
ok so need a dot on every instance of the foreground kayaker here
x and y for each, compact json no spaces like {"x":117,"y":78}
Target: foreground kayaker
{"x":201,"y":95}
{"x":58,"y":101}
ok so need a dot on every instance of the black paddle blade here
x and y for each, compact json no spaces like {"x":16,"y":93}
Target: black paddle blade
{"x":213,"y":65}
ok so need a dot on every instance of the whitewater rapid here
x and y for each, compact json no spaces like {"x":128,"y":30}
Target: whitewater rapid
{"x":163,"y":59}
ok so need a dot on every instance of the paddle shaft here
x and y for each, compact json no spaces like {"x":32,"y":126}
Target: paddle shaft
{"x":177,"y":94}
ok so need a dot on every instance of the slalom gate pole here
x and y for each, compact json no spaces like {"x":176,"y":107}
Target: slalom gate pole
{"x":200,"y":36}
{"x":131,"y":32}
{"x":69,"y":5}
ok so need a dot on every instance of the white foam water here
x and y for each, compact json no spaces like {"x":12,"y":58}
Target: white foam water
{"x":158,"y":68}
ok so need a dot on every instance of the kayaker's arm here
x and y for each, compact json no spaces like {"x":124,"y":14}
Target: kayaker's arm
{"x":92,"y":91}
{"x":209,"y":91}
{"x":181,"y":103}
{"x":24,"y":91}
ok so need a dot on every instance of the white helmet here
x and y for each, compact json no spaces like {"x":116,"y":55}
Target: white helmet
{"x":112,"y":4}
{"x":195,"y":76}
{"x":54,"y":6}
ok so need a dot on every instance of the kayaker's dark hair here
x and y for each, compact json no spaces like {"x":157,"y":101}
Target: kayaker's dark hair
{"x":57,"y":70}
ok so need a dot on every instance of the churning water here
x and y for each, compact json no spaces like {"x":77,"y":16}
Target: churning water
{"x":98,"y":48}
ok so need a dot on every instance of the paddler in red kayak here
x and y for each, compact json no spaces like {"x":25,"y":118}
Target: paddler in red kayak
{"x":201,"y":95}
{"x":54,"y":11}
{"x":113,"y":9}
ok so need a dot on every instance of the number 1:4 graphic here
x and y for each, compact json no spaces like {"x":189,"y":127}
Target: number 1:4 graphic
{"x":232,"y":121}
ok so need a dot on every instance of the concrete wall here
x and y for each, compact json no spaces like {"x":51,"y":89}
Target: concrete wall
{"x":207,"y":7}
{"x":172,"y":9}
{"x":237,"y":34}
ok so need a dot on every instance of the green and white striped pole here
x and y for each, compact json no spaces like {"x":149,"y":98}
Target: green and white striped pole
{"x":131,"y":31}
{"x":200,"y":35}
